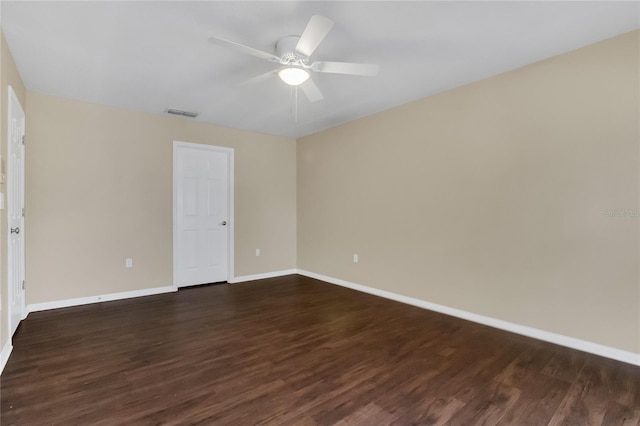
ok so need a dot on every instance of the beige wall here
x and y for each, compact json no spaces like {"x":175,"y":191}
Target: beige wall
{"x":99,"y":189}
{"x":8,"y":77}
{"x":492,"y":197}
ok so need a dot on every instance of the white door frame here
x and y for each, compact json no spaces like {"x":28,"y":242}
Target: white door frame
{"x":230,"y":244}
{"x":11,"y":102}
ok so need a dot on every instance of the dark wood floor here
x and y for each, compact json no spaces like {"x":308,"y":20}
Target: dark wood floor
{"x":296,"y":351}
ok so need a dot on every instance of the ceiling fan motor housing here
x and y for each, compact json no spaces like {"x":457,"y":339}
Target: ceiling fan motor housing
{"x":286,"y":49}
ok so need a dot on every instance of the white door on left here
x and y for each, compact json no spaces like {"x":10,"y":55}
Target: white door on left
{"x":15,"y":211}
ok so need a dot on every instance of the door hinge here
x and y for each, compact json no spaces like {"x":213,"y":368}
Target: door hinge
{"x":22,"y":139}
{"x":23,"y":212}
{"x":23,"y":285}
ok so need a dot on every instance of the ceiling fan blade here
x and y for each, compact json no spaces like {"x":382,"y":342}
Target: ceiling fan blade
{"x":346,"y":68}
{"x":311,"y":91}
{"x":316,"y":30}
{"x":260,"y":78}
{"x":244,"y":49}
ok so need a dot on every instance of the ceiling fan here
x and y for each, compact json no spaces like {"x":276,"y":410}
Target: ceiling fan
{"x":293,"y":53}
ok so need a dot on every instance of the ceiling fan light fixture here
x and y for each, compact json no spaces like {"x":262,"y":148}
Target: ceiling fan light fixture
{"x":293,"y":76}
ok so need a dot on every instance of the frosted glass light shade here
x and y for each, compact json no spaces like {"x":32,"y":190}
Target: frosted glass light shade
{"x":293,"y":76}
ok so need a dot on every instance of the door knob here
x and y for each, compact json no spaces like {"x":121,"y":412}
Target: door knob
{"x":224,"y":223}
{"x":15,"y":230}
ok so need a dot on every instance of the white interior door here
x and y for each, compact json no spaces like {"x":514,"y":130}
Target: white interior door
{"x":202,"y":180}
{"x":15,"y":211}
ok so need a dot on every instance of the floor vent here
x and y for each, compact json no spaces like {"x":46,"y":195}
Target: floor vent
{"x":182,"y":113}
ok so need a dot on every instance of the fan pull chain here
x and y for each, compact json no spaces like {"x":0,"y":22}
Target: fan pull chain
{"x":295,"y":104}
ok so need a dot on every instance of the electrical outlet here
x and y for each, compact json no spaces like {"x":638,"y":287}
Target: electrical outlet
{"x":257,"y":252}
{"x":128,"y":262}
{"x":355,"y":258}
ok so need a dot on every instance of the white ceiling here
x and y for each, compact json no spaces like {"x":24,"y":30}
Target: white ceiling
{"x":152,"y":55}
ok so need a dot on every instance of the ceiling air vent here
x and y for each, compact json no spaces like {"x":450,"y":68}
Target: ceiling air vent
{"x":182,"y":113}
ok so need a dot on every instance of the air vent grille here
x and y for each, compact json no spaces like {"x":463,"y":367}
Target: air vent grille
{"x":174,"y":111}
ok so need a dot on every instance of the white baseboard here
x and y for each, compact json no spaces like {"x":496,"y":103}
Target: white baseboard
{"x":4,"y":355}
{"x":558,"y":339}
{"x":35,"y":307}
{"x":263,"y":276}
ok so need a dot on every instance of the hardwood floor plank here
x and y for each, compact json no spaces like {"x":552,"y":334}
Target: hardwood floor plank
{"x":565,"y":365}
{"x":370,"y":414}
{"x":296,"y":351}
{"x":582,"y":404}
{"x":617,"y":414}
